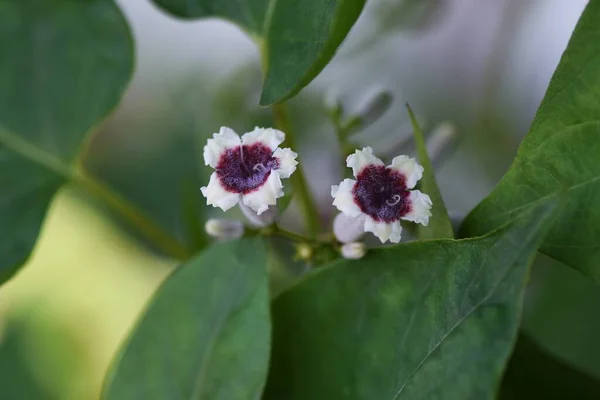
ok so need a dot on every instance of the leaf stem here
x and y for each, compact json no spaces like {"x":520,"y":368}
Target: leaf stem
{"x":276,"y":230}
{"x":307,"y":204}
{"x":154,"y":233}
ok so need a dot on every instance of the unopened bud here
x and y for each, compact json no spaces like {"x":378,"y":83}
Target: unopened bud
{"x":333,"y":104}
{"x":262,"y":220}
{"x":373,"y":105}
{"x":441,"y":141}
{"x":354,"y":250}
{"x":348,"y":229}
{"x":224,"y":228}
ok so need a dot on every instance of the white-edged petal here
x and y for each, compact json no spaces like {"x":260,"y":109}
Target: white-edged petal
{"x":260,"y":199}
{"x":410,"y":168}
{"x":343,"y":198}
{"x":287,"y":162}
{"x":384,"y":231}
{"x":226,"y":138}
{"x":216,"y":196}
{"x":268,"y":136}
{"x":420,"y":208}
{"x":362,"y":158}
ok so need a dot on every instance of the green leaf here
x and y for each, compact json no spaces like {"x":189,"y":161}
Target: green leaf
{"x":17,"y":378}
{"x":428,"y":319}
{"x":65,"y":65}
{"x":301,"y":38}
{"x":440,"y":225}
{"x":560,"y":155}
{"x":534,"y":374}
{"x":249,"y":14}
{"x":205,"y":334}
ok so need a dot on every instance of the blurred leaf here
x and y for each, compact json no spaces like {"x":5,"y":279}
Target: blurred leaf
{"x":534,"y":374}
{"x":64,"y":67}
{"x":205,"y":334}
{"x":250,"y":14}
{"x":560,"y":155}
{"x":301,"y":38}
{"x":440,"y":323}
{"x":440,"y":225}
{"x":17,"y":380}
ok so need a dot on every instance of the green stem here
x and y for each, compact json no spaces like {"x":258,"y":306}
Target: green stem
{"x":75,"y":174}
{"x":276,"y":230}
{"x":307,"y":204}
{"x":154,"y":233}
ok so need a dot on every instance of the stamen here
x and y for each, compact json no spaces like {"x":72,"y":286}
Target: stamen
{"x":242,"y":159}
{"x":395,"y":200}
{"x":260,"y":168}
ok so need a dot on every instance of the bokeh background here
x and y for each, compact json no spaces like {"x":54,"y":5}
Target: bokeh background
{"x":481,"y":65}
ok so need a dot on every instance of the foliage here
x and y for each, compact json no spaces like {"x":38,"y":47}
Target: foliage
{"x":281,"y":314}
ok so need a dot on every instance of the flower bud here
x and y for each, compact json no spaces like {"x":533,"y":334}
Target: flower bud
{"x":224,"y":228}
{"x":262,"y":220}
{"x":441,"y":141}
{"x":332,"y":102}
{"x":372,"y":106}
{"x":354,"y":250}
{"x":347,"y":229}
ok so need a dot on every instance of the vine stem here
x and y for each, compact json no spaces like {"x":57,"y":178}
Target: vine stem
{"x":307,"y":204}
{"x":154,"y":233}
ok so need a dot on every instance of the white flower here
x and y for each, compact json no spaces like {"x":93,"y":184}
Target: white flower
{"x":381,"y":194}
{"x":247,"y":169}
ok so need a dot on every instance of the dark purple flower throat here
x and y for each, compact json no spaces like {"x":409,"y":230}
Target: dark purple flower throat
{"x":243,"y":169}
{"x":381,"y":193}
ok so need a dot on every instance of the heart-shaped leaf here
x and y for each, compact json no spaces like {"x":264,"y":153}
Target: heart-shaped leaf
{"x":205,"y":334}
{"x":429,"y":320}
{"x":64,"y":67}
{"x":560,"y":154}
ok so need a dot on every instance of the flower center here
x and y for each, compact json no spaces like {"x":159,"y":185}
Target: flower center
{"x":243,"y":169}
{"x":381,"y":193}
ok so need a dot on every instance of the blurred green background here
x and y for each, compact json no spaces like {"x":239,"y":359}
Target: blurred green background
{"x":481,"y":64}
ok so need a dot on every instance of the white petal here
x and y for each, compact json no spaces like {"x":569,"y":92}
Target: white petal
{"x":266,"y":195}
{"x":420,"y":206}
{"x":410,"y":168}
{"x":343,"y":198}
{"x":383,"y":230}
{"x":226,"y":138}
{"x":287,"y":162}
{"x":216,"y":196}
{"x":362,"y":158}
{"x":269,"y":136}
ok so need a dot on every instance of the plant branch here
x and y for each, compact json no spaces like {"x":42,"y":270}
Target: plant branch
{"x":307,"y":204}
{"x":154,"y":233}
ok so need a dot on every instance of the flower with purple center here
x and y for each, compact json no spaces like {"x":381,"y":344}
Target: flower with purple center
{"x":381,"y":196}
{"x":247,"y":169}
